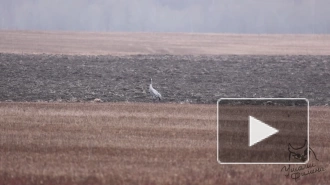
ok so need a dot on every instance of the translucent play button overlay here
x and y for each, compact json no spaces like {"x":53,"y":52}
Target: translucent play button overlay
{"x":262,"y":131}
{"x":259,"y":131}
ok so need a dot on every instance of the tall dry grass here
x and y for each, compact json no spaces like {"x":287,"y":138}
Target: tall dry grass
{"x":126,"y":143}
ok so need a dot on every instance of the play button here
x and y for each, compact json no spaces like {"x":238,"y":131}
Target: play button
{"x":259,"y":131}
{"x":262,"y":130}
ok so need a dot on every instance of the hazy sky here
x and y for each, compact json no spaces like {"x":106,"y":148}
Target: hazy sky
{"x":220,"y":16}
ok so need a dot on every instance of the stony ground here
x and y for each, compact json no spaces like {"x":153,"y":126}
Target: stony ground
{"x":192,"y":79}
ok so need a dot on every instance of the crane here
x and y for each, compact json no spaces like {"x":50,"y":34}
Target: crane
{"x":153,"y":92}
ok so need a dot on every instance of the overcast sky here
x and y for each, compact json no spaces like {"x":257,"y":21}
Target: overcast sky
{"x":219,"y":16}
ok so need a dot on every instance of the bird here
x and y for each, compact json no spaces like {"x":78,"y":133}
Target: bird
{"x":153,"y":92}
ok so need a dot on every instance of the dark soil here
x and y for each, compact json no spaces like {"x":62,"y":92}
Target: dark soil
{"x":190,"y":79}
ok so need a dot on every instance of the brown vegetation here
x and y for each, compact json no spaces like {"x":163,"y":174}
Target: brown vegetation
{"x":126,"y":143}
{"x":89,"y":43}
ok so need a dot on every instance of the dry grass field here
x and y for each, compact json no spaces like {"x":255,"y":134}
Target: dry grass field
{"x":89,"y":43}
{"x":147,"y":143}
{"x":126,"y":143}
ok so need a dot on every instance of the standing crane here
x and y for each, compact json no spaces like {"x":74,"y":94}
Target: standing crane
{"x":153,"y":92}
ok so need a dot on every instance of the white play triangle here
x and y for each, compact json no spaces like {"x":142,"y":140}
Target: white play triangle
{"x":259,"y":131}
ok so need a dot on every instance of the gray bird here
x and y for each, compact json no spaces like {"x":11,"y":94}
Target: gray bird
{"x":153,"y":92}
